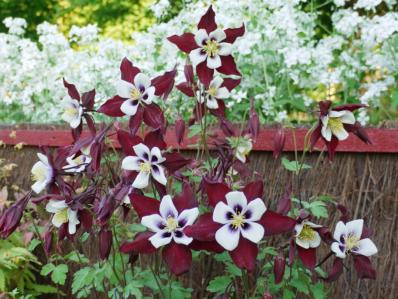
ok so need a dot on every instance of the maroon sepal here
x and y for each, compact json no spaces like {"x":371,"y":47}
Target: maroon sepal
{"x":178,"y":257}
{"x":154,"y":117}
{"x":211,"y":246}
{"x":285,"y":203}
{"x":233,"y":33}
{"x":155,"y":139}
{"x":143,"y":205}
{"x":363,"y":267}
{"x":336,"y":270}
{"x":244,"y":256}
{"x":208,"y":21}
{"x":72,"y":91}
{"x":164,"y":83}
{"x":215,"y":191}
{"x":128,"y":71}
{"x":307,"y":256}
{"x":88,"y":99}
{"x":185,"y":199}
{"x":254,"y":190}
{"x":175,"y":161}
{"x":204,"y":228}
{"x":127,"y":141}
{"x":135,"y":120}
{"x":180,"y":130}
{"x":86,"y":219}
{"x":185,"y":42}
{"x":105,"y":243}
{"x":228,"y":66}
{"x":275,"y":223}
{"x":140,"y":244}
{"x":331,"y":146}
{"x":205,"y":74}
{"x":112,"y":107}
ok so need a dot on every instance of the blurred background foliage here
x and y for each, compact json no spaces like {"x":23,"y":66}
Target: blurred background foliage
{"x":116,"y":18}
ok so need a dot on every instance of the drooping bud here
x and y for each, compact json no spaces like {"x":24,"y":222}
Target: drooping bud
{"x":180,"y":130}
{"x":267,"y":295}
{"x":105,"y":242}
{"x":279,"y":267}
{"x":279,"y":142}
{"x":254,"y":122}
{"x":48,"y":241}
{"x":188,"y":72}
{"x":285,"y":203}
{"x":11,"y":217}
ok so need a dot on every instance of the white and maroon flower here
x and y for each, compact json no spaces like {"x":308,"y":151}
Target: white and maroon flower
{"x":210,"y":47}
{"x":239,"y":219}
{"x":63,"y":214}
{"x":72,"y":111}
{"x":348,"y":239}
{"x":140,"y":91}
{"x":78,"y":162}
{"x":147,"y":162}
{"x":335,"y":124}
{"x":306,"y":236}
{"x":42,"y":173}
{"x":242,"y":146}
{"x":215,"y":91}
{"x":168,"y":225}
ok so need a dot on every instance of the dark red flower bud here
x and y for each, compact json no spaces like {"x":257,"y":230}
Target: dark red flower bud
{"x":279,"y":267}
{"x":285,"y":203}
{"x":48,"y":241}
{"x":180,"y":130}
{"x":254,"y":122}
{"x":11,"y":217}
{"x":105,"y":242}
{"x":267,"y":295}
{"x":279,"y":142}
{"x":227,"y":127}
{"x":344,"y":212}
{"x":188,"y":72}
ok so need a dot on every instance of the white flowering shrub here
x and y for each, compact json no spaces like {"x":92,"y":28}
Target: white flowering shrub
{"x":286,"y":67}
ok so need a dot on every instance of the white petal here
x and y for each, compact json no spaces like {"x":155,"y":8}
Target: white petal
{"x":339,"y":231}
{"x":53,"y":206}
{"x":220,"y":213}
{"x":325,"y":120}
{"x":167,"y":208}
{"x":302,"y":243}
{"x":160,"y":239}
{"x":39,"y":186}
{"x":241,"y":157}
{"x":252,"y":231}
{"x":335,"y":247}
{"x":211,"y":103}
{"x":227,"y":237}
{"x":124,"y":89}
{"x":366,"y":247}
{"x":355,"y":227}
{"x":73,"y":221}
{"x":216,"y":82}
{"x":200,"y":37}
{"x":155,"y":152}
{"x":43,"y":158}
{"x":142,"y":180}
{"x":225,"y":49}
{"x":183,"y":239}
{"x":142,"y":81}
{"x":197,"y":56}
{"x":218,"y":34}
{"x":158,"y":174}
{"x":142,"y":151}
{"x":337,"y":114}
{"x":298,"y":228}
{"x":153,"y":222}
{"x":316,"y":241}
{"x":131,"y":163}
{"x":236,"y":198}
{"x":311,"y":224}
{"x":348,"y":118}
{"x":326,"y":133}
{"x":222,"y":93}
{"x":56,"y":221}
{"x":75,"y":122}
{"x":148,"y":96}
{"x":256,"y":208}
{"x":213,"y":62}
{"x":129,"y":107}
{"x":341,"y":134}
{"x":188,"y":216}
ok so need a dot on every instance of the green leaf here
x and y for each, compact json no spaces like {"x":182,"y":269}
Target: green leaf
{"x":294,"y":166}
{"x":44,"y":288}
{"x":394,"y":99}
{"x":318,"y":291}
{"x":194,"y":130}
{"x":232,"y":269}
{"x":318,"y":209}
{"x":33,"y":244}
{"x":2,"y":281}
{"x":137,"y":228}
{"x":58,"y":275}
{"x":84,"y":237}
{"x":77,"y":257}
{"x":288,"y":294}
{"x":300,"y":285}
{"x":219,"y":284}
{"x":80,"y":279}
{"x":47,"y":269}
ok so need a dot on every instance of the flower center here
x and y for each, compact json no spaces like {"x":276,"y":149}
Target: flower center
{"x":38,"y":174}
{"x":145,"y":167}
{"x":211,"y":48}
{"x":212,"y":91}
{"x":135,"y":94}
{"x":335,"y":124}
{"x":171,"y":224}
{"x":71,"y":111}
{"x":62,"y":215}
{"x":307,"y":233}
{"x":351,"y":242}
{"x":238,"y":220}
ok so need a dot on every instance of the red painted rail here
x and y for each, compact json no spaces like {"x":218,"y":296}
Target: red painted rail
{"x":384,"y":140}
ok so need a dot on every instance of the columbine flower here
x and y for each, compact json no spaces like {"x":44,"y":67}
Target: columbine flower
{"x":242,"y":146}
{"x":348,"y":237}
{"x":73,"y":111}
{"x":42,"y":173}
{"x":147,"y":162}
{"x":213,"y":92}
{"x":135,"y":93}
{"x":63,"y":214}
{"x":78,"y":163}
{"x":169,"y":225}
{"x":334,"y":125}
{"x":166,"y":221}
{"x":238,"y":218}
{"x":210,"y":48}
{"x":306,"y":236}
{"x":11,"y":217}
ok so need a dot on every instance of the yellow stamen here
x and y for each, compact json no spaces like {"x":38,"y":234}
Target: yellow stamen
{"x":211,"y":48}
{"x":335,"y":124}
{"x":135,"y":94}
{"x":171,"y":224}
{"x":38,"y":174}
{"x":238,"y":220}
{"x":307,"y":233}
{"x":71,"y":111}
{"x":212,"y":91}
{"x":145,"y":167}
{"x":351,"y":242}
{"x":62,"y":215}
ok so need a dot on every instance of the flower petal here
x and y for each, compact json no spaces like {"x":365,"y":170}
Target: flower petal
{"x":326,"y":133}
{"x":180,"y":238}
{"x":160,"y":239}
{"x":245,"y":254}
{"x":131,"y":163}
{"x":348,"y":118}
{"x":142,"y":180}
{"x":185,"y":42}
{"x":142,"y":151}
{"x":156,"y":155}
{"x":216,"y":82}
{"x":222,"y":93}
{"x":73,"y":221}
{"x":225,"y":49}
{"x":53,"y":206}
{"x":187,"y":217}
{"x":148,"y":96}
{"x":154,"y":222}
{"x":129,"y":107}
{"x":167,"y":208}
{"x":255,"y":210}
{"x":212,"y":103}
{"x":218,"y":34}
{"x":366,"y":247}
{"x":177,"y":257}
{"x":141,"y":244}
{"x":197,"y":56}
{"x":236,"y":200}
{"x":213,"y":62}
{"x":335,"y":247}
{"x":308,"y":257}
{"x":228,"y":237}
{"x":158,"y":174}
{"x":252,"y":231}
{"x":355,"y":227}
{"x":39,"y":186}
{"x":221,"y":213}
{"x":124,"y":88}
{"x":201,"y":37}
{"x":204,"y":229}
{"x":142,"y":82}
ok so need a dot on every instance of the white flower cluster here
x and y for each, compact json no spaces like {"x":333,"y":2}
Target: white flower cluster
{"x":283,"y":61}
